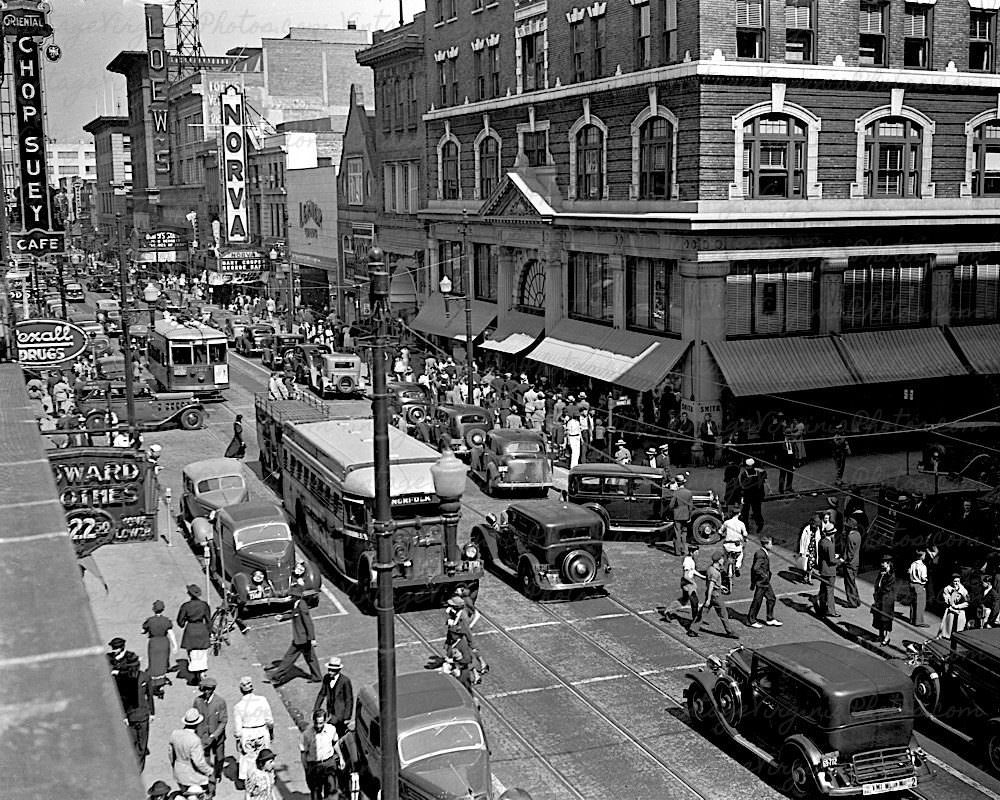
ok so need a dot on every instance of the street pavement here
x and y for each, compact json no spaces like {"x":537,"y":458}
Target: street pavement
{"x":584,"y":698}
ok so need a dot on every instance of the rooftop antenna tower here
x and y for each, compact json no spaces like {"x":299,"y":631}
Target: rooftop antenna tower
{"x":188,"y":28}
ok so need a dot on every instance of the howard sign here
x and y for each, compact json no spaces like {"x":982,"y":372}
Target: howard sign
{"x":48,"y":342}
{"x":234,"y":150}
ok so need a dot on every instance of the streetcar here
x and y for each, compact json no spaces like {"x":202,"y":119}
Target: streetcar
{"x":188,"y":356}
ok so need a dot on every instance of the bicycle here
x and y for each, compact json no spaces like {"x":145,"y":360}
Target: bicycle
{"x":224,"y":620}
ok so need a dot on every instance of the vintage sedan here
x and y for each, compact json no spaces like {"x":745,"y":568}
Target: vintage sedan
{"x":461,"y":427}
{"x":210,"y":485}
{"x":512,"y":460}
{"x":548,"y":547}
{"x":274,"y":350}
{"x":254,"y":560}
{"x":442,"y":747}
{"x":74,"y":293}
{"x":337,"y":374}
{"x":109,"y":314}
{"x":251,"y":341}
{"x":412,"y":401}
{"x":956,"y":683}
{"x":297,"y":360}
{"x":153,"y":410}
{"x":234,"y":325}
{"x":835,"y":720}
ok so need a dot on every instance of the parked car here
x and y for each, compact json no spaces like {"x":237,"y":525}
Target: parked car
{"x":412,"y":401}
{"x":152,"y":410}
{"x":512,"y":459}
{"x":342,"y":374}
{"x":233,"y":326}
{"x":547,"y":547}
{"x":956,"y":684}
{"x":442,"y":747}
{"x":254,"y":560}
{"x":461,"y":427}
{"x":633,"y":499}
{"x":109,"y":314}
{"x":251,"y":341}
{"x":74,"y":293}
{"x":835,"y":720}
{"x":274,"y":349}
{"x":297,"y":360}
{"x":210,"y":485}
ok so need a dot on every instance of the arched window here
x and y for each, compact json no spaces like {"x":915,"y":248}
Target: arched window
{"x":489,"y":165}
{"x":589,"y":163}
{"x":531,"y":288}
{"x":893,"y":157}
{"x":655,"y":159}
{"x":774,"y":156}
{"x":986,"y":160}
{"x":449,"y":171}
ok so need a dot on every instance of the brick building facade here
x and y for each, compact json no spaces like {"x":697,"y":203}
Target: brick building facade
{"x":112,"y":192}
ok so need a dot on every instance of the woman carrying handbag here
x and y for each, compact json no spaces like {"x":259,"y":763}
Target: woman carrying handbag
{"x":884,"y":601}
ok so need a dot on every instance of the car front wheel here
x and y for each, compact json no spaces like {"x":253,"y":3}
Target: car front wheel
{"x":801,"y":782}
{"x":192,"y":419}
{"x":700,"y":708}
{"x":529,"y":584}
{"x":992,"y":750}
{"x":926,"y":689}
{"x":706,"y":529}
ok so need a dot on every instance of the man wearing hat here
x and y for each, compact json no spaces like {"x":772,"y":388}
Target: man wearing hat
{"x":663,"y":458}
{"x":159,"y":790}
{"x":253,"y":726}
{"x":276,"y":389}
{"x":682,"y":508}
{"x":751,"y":481}
{"x":135,"y":693}
{"x":852,"y":562}
{"x":336,"y":695}
{"x":622,"y":455}
{"x":303,"y":641}
{"x":574,"y":439}
{"x":841,"y":450}
{"x":828,"y":562}
{"x":212,"y":728}
{"x":195,"y":617}
{"x":918,"y":588}
{"x":713,"y":597}
{"x":651,"y":457}
{"x":187,"y":754}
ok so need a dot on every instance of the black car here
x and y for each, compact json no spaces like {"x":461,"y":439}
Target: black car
{"x":297,"y":360}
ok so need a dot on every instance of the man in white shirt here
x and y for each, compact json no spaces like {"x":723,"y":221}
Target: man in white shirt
{"x":321,"y":756}
{"x":918,"y":589}
{"x":573,"y":438}
{"x":253,"y":725}
{"x":734,"y":536}
{"x":276,"y":389}
{"x":689,"y":589}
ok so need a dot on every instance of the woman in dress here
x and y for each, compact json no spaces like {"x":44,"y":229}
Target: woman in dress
{"x":237,"y":447}
{"x":956,"y":601}
{"x":195,"y":617}
{"x":797,"y":433}
{"x":884,"y":603}
{"x":162,"y":642}
{"x":808,"y":544}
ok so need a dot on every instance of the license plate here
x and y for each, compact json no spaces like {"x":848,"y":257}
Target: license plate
{"x":255,"y":594}
{"x":888,"y":786}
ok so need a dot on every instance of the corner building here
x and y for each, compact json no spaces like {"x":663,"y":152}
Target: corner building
{"x":746,"y":198}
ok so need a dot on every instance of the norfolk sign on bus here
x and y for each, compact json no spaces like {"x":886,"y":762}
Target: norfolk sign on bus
{"x":234,"y":151}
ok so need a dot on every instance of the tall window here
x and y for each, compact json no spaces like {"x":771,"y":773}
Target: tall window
{"x":642,"y":54}
{"x":536,"y":147}
{"x":599,"y":45}
{"x":494,"y":52}
{"x":986,"y":160}
{"x":355,"y":181}
{"x":578,"y":49}
{"x":450,"y":264}
{"x":750,"y":28}
{"x":442,"y":82}
{"x":668,"y":45}
{"x":591,"y":293}
{"x":480,"y":75}
{"x":451,"y":8}
{"x":385,"y":106}
{"x":975,"y":290}
{"x":449,"y":171}
{"x":411,"y":93}
{"x":440,"y":10}
{"x":652,"y":294}
{"x":892,"y":158}
{"x":533,"y":61}
{"x":589,"y":167}
{"x":884,"y":293}
{"x":799,"y":30}
{"x":774,"y":157}
{"x":389,"y":188}
{"x":655,"y":142}
{"x":489,"y":166}
{"x":771,"y":298}
{"x":486,"y":266}
{"x":400,"y":99}
{"x":917,"y":36}
{"x":873,"y":22}
{"x":453,"y":79}
{"x":981,"y":25}
{"x":531,"y":288}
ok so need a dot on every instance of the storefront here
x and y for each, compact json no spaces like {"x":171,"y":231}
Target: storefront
{"x":234,"y":271}
{"x":161,"y":253}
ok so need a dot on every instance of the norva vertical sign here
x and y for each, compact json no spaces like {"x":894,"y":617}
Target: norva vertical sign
{"x":234,"y":150}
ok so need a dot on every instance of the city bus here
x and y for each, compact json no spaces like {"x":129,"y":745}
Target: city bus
{"x":187,"y":356}
{"x":328,"y":484}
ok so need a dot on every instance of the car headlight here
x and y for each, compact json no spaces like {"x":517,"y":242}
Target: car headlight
{"x":257,"y":577}
{"x":470,"y":551}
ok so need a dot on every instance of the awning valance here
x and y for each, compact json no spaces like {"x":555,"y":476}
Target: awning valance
{"x":984,"y":5}
{"x":516,"y":332}
{"x":431,"y":318}
{"x":900,"y":355}
{"x":980,"y":344}
{"x":789,"y":364}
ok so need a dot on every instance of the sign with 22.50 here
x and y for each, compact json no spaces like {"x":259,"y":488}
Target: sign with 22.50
{"x":90,"y":528}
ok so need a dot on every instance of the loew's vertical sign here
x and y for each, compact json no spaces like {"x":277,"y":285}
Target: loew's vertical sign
{"x":156,"y":51}
{"x":234,"y":151}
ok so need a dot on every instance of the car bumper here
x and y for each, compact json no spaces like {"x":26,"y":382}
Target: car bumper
{"x":522,"y":485}
{"x":473,"y":572}
{"x":654,"y":530}
{"x":275,"y":599}
{"x":552,"y":583}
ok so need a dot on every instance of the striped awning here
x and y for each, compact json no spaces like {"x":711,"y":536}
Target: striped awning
{"x":980,"y":344}
{"x":900,"y":355}
{"x":515,"y":333}
{"x":786,"y":364}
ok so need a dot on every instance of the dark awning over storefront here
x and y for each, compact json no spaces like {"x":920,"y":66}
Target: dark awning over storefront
{"x":654,"y":365}
{"x":515,"y":333}
{"x":792,"y":364}
{"x":483,"y":315}
{"x":980,"y":344}
{"x":902,"y":355}
{"x":431,"y":317}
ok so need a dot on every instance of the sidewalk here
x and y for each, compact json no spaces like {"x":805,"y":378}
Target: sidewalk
{"x":138,"y":574}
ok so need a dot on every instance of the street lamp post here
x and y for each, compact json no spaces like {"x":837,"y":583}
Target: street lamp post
{"x":125,"y":336}
{"x":446,"y":286}
{"x":151,"y":293}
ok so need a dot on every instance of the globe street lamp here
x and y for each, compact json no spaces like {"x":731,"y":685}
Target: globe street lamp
{"x":448,"y":475}
{"x":151,"y":293}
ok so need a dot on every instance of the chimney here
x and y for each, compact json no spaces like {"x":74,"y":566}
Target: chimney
{"x":352,"y":25}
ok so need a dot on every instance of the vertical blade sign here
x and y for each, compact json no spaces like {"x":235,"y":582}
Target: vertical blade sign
{"x":234,"y":150}
{"x":36,"y":213}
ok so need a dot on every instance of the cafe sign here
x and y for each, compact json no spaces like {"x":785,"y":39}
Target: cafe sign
{"x":109,"y":495}
{"x":48,"y":342}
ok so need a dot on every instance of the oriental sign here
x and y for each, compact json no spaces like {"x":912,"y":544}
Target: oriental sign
{"x":109,"y":494}
{"x":234,"y":151}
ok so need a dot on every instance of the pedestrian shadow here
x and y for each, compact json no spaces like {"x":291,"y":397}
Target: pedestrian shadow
{"x":282,"y":777}
{"x":792,"y":576}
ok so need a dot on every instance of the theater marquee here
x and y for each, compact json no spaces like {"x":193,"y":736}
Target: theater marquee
{"x":234,"y":151}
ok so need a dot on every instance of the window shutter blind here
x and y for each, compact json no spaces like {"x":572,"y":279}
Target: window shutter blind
{"x":987,"y":289}
{"x":911,"y":286}
{"x":738,"y":305}
{"x":871,"y":19}
{"x":670,"y":15}
{"x":797,"y":16}
{"x":915,"y":23}
{"x":774,"y":322}
{"x":401,"y":188}
{"x":749,"y":13}
{"x":412,"y":183}
{"x":676,"y":296}
{"x":387,"y":187}
{"x":798,"y":301}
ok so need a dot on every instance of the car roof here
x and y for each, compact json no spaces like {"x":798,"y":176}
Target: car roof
{"x":423,"y":698}
{"x":462,"y":408}
{"x":616,"y":470}
{"x":512,"y":435}
{"x":213,"y":468}
{"x":986,"y":641}
{"x":259,"y":512}
{"x":836,"y":668}
{"x":557,"y":514}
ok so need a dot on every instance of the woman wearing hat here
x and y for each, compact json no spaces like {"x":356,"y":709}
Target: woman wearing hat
{"x":622,"y":455}
{"x":260,"y":781}
{"x":195,"y":617}
{"x":884,"y":602}
{"x":956,"y":601}
{"x":237,"y":447}
{"x":162,"y":642}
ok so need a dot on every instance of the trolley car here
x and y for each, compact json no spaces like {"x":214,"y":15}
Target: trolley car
{"x":188,"y":356}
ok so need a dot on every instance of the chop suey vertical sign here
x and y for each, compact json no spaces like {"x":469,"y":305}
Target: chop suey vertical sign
{"x":234,"y":150}
{"x":31,"y":136}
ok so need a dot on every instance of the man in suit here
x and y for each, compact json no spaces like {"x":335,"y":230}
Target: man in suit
{"x":685,"y":440}
{"x":212,"y":728}
{"x":760,"y":582}
{"x":852,"y":562}
{"x":829,"y":561}
{"x":336,"y":695}
{"x":682,"y":506}
{"x":303,"y":641}
{"x":751,"y":483}
{"x":663,"y":458}
{"x":708,"y":433}
{"x":132,"y":683}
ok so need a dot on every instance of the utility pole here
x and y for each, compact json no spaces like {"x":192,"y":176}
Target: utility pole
{"x":126,"y":339}
{"x":467,"y":266}
{"x":62,"y":286}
